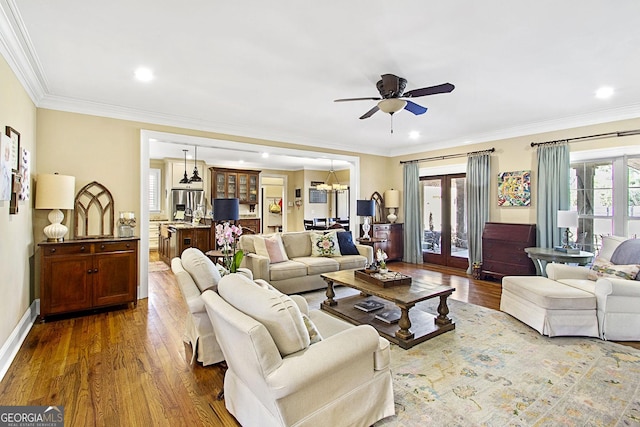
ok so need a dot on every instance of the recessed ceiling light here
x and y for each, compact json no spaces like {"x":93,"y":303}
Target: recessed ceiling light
{"x":604,"y":92}
{"x":144,"y":74}
{"x":265,"y":155}
{"x":240,"y":161}
{"x":414,"y":134}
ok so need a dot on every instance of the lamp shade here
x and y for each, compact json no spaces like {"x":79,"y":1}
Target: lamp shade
{"x":392,"y":198}
{"x":226,"y":209}
{"x":366,"y":207}
{"x":55,"y":191}
{"x":567,"y":219}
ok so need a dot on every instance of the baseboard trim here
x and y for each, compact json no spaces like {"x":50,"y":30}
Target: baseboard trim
{"x":12,"y":345}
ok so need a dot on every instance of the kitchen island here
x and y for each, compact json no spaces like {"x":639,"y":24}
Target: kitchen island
{"x":175,"y":237}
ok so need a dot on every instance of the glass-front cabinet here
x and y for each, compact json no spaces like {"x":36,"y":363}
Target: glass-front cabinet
{"x":236,"y":183}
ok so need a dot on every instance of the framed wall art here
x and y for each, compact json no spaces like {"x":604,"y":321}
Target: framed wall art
{"x":14,"y":159}
{"x":5,"y":168}
{"x":514,"y":188}
{"x":25,"y":171}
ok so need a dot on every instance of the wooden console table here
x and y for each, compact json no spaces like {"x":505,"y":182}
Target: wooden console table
{"x":414,"y":326}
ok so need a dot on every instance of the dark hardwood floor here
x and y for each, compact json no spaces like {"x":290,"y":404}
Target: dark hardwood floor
{"x":129,"y":366}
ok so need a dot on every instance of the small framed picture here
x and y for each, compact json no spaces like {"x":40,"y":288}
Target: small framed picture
{"x":14,"y":159}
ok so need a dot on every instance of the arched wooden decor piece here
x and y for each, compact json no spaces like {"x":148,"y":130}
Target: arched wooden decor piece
{"x":379,"y":217}
{"x":94,"y":211}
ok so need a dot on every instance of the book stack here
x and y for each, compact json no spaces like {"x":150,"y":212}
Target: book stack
{"x":389,"y":316}
{"x":368,"y":305}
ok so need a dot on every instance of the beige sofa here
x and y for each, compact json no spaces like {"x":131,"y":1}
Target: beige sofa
{"x":291,"y":366}
{"x":195,"y":273}
{"x":301,"y":272}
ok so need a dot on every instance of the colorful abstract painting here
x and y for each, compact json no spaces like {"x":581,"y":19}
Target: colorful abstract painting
{"x":514,"y":188}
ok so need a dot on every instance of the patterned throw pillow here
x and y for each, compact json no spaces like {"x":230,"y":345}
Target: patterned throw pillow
{"x":604,"y":268}
{"x":325,"y":244}
{"x":314,"y":335}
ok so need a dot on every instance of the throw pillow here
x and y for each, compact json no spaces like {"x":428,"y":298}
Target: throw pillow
{"x":325,"y":244}
{"x":314,"y":334}
{"x":275,"y":310}
{"x":603,"y":268}
{"x":202,"y":270}
{"x":272,"y":248}
{"x":609,"y":245}
{"x":628,"y":252}
{"x":345,"y":241}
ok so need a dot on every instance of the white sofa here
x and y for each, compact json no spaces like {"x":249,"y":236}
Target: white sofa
{"x":277,"y":376}
{"x":573,"y":300}
{"x":301,"y":271}
{"x":196,"y":273}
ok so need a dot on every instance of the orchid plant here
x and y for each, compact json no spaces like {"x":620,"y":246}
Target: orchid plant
{"x":381,"y":257}
{"x":227,"y":237}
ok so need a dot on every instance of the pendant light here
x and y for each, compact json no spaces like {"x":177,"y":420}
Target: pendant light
{"x":185,"y":179}
{"x":195,"y":177}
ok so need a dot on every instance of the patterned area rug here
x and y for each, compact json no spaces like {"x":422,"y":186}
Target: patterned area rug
{"x":157,"y":266}
{"x":493,"y":370}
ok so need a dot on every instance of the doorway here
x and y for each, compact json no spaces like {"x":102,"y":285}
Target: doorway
{"x":273,"y":204}
{"x":444,"y":239}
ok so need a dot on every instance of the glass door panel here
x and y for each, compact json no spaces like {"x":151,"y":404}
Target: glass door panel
{"x":459,"y":246}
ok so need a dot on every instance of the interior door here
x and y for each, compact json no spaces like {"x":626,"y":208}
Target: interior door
{"x":444,"y":237}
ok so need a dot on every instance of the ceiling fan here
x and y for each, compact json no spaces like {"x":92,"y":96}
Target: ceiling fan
{"x":393,"y":98}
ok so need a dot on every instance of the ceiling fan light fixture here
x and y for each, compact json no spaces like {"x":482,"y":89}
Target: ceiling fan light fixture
{"x":391,"y":105}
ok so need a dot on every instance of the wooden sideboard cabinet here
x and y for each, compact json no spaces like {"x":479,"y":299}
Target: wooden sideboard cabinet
{"x":503,"y":249}
{"x":78,"y":275}
{"x":389,"y":238}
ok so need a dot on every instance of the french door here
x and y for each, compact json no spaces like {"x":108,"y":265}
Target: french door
{"x":444,"y":237}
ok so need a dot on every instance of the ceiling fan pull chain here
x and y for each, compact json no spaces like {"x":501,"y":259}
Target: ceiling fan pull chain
{"x":391,"y":123}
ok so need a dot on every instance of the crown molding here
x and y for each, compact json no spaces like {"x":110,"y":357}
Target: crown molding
{"x":18,"y":51}
{"x":530,"y":129}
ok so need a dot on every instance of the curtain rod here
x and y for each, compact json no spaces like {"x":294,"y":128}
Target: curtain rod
{"x":448,"y":156}
{"x":598,"y":136}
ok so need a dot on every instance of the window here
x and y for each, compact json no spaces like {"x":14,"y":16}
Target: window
{"x":606,"y":194}
{"x":154,"y":190}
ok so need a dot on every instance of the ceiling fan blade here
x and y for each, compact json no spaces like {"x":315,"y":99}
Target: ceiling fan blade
{"x":431,"y":90}
{"x":415,"y":108}
{"x":369,"y":113}
{"x":358,"y":99}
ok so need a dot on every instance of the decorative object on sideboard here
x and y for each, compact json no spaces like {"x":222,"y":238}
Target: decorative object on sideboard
{"x":126,"y":224}
{"x":567,"y":220}
{"x":392,"y":202}
{"x":94,"y":212}
{"x":378,"y":216}
{"x":365,"y":208}
{"x":54,"y":191}
{"x":195,"y":177}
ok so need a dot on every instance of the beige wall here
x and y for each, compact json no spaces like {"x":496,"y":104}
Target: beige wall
{"x":517,"y":154}
{"x":17,"y":283}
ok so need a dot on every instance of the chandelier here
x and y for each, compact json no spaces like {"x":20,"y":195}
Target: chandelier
{"x":335,"y":187}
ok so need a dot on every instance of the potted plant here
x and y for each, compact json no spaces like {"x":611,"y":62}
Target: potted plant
{"x":227,"y":237}
{"x":381,"y":257}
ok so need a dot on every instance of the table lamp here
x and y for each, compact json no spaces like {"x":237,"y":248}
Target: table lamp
{"x":392,"y":201}
{"x":567,"y":220}
{"x":55,"y":192}
{"x":366,"y":208}
{"x":226,"y":209}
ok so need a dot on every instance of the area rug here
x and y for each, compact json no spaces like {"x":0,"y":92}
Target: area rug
{"x":157,"y":266}
{"x":493,"y":370}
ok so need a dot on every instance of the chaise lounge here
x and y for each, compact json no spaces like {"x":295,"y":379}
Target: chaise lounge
{"x":602,"y":301}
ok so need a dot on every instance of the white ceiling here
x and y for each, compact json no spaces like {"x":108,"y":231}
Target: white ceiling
{"x":272,"y":69}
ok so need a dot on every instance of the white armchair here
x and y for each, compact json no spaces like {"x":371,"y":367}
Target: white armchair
{"x":275,"y":377}
{"x":617,"y":300}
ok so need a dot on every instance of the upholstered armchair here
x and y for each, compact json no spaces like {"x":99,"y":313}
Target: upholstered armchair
{"x":288,"y":366}
{"x":617,"y":298}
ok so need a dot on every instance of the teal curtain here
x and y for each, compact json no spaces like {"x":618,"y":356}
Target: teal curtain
{"x":552,"y":191}
{"x":478,"y":181}
{"x":412,"y":214}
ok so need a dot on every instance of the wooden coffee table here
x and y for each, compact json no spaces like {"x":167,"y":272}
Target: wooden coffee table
{"x":414,"y":326}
